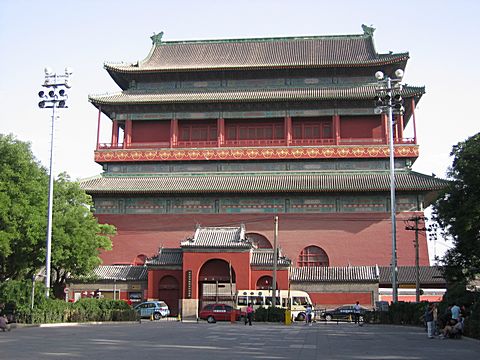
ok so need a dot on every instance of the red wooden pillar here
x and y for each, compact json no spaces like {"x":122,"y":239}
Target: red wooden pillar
{"x":173,"y":132}
{"x":385,"y":127}
{"x":336,"y":128}
{"x":414,"y":122}
{"x":115,"y":133}
{"x":127,"y":136}
{"x":220,"y":132}
{"x":400,"y":127}
{"x":288,"y":130}
{"x":152,"y":280}
{"x":98,"y":127}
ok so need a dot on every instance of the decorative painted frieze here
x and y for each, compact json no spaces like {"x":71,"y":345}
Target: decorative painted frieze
{"x":254,"y":153}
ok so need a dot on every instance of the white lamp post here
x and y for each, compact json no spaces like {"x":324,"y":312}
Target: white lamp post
{"x":55,"y":98}
{"x":387,"y":102}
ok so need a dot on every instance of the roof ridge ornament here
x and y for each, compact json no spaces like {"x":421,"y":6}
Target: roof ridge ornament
{"x":157,"y":38}
{"x":368,"y":30}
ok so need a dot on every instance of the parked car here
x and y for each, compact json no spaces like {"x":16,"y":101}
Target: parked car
{"x":344,"y":312}
{"x":220,"y":312}
{"x":158,"y":309}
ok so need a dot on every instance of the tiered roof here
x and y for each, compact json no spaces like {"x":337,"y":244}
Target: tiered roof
{"x":287,"y":52}
{"x":352,"y":92}
{"x":261,"y":182}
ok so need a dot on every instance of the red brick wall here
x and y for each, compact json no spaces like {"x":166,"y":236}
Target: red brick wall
{"x":347,"y":238}
{"x":334,"y":299}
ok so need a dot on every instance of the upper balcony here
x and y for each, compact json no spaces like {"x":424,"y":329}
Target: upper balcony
{"x":254,"y":150}
{"x":254,"y":139}
{"x":190,"y":145}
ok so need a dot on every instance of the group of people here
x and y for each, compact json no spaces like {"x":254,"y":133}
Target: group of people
{"x":449,"y":326}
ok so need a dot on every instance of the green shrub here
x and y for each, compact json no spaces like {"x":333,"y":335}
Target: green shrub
{"x":270,"y":314}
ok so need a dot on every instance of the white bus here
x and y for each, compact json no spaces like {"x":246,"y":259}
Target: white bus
{"x":298,"y":300}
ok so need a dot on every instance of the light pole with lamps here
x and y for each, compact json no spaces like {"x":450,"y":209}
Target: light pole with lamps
{"x":389,"y":100}
{"x":55,"y":98}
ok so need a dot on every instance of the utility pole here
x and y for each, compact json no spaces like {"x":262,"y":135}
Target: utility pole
{"x":274,"y":278}
{"x":415,"y":228}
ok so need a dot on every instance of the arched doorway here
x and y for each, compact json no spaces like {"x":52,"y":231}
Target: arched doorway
{"x":265,"y":283}
{"x":216,"y":282}
{"x":169,"y":291}
{"x":259,"y":241}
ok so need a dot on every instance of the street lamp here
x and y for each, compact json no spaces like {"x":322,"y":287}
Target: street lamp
{"x":54,"y":97}
{"x":389,"y":100}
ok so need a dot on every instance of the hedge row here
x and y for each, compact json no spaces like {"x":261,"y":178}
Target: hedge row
{"x":84,"y":310}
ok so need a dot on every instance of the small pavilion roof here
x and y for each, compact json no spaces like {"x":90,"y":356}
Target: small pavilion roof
{"x":218,"y":237}
{"x":407,"y":274}
{"x":261,"y":182}
{"x":346,"y":92}
{"x":167,"y":257}
{"x":257,"y":53}
{"x":334,"y":274}
{"x":264,"y":257}
{"x":120,"y":272}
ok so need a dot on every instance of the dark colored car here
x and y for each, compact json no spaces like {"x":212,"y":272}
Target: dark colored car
{"x":344,"y":312}
{"x":220,"y":312}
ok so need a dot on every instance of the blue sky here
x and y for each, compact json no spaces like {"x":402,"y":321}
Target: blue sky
{"x":441,"y":36}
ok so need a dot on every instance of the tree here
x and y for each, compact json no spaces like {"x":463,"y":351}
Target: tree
{"x":77,"y":237}
{"x":457,"y":211}
{"x":23,"y":204}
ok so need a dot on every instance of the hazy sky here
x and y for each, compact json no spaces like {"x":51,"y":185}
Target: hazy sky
{"x":441,"y":36}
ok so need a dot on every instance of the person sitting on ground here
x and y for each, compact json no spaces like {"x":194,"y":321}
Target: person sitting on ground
{"x":3,"y":323}
{"x":453,"y":329}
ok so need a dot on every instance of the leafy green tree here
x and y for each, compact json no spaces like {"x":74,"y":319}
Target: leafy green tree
{"x":77,"y":237}
{"x":23,"y":204}
{"x":458,"y":211}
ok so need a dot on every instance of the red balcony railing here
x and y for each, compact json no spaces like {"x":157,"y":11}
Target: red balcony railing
{"x":254,"y":143}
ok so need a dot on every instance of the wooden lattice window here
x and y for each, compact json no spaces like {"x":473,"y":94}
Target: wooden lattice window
{"x":312,"y":256}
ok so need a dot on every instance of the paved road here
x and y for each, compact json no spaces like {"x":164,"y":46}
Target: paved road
{"x":173,"y":340}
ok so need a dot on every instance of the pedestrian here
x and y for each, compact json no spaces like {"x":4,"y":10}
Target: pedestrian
{"x":249,"y":314}
{"x":429,"y":320}
{"x":356,"y":313}
{"x":455,"y":312}
{"x":308,"y":315}
{"x":3,"y":323}
{"x":435,"y":319}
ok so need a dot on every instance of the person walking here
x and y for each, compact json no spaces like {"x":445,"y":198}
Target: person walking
{"x":249,"y":314}
{"x":308,"y":315}
{"x":356,"y":313}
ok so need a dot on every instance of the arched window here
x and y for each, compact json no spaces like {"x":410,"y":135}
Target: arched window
{"x":312,"y":256}
{"x":259,"y":241}
{"x":140,"y":259}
